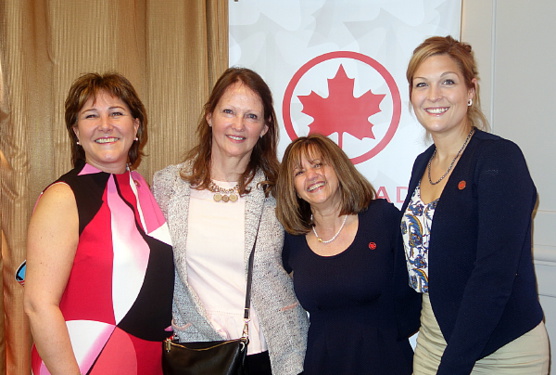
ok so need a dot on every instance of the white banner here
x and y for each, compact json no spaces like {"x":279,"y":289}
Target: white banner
{"x":337,"y":67}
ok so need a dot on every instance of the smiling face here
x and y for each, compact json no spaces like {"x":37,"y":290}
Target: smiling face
{"x":237,"y":123}
{"x":316,"y":182}
{"x":439,"y":95}
{"x":106,"y":130}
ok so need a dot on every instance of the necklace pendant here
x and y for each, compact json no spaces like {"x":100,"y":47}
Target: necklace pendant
{"x":333,"y":237}
{"x":223,"y":195}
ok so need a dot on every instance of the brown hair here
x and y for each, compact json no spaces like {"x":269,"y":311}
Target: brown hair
{"x":88,"y":86}
{"x":263,"y":155}
{"x":463,"y":56}
{"x":293,"y":212}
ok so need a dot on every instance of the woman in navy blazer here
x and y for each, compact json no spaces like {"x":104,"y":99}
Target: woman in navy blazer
{"x":467,"y":229}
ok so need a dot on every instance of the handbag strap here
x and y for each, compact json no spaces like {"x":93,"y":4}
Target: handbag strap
{"x":249,"y":282}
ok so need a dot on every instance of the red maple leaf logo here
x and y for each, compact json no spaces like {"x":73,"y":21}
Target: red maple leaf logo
{"x":341,"y":112}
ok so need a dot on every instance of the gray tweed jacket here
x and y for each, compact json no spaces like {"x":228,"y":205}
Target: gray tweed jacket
{"x":283,"y":321}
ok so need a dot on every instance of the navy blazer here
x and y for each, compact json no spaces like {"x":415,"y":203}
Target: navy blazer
{"x":482,"y":283}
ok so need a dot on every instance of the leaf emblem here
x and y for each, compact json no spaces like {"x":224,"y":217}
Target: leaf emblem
{"x":341,"y":112}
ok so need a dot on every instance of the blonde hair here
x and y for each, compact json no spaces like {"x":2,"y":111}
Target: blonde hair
{"x":462,"y":55}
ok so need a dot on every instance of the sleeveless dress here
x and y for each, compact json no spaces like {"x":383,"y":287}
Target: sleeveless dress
{"x":350,"y":298}
{"x":118,"y":299}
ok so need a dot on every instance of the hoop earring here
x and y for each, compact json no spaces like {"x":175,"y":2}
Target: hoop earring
{"x":470,"y":102}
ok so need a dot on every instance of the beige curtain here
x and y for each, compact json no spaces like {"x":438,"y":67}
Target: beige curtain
{"x":171,"y":50}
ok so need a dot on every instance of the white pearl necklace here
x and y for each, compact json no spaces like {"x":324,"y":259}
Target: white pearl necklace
{"x":335,"y":236}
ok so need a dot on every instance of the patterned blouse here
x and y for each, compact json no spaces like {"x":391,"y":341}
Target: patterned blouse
{"x":416,"y":228}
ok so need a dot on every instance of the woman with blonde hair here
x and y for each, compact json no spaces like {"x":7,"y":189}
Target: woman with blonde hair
{"x":466,"y":227}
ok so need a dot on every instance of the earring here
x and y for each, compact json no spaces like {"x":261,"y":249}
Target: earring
{"x":77,"y":143}
{"x":136,"y":139}
{"x":470,"y":102}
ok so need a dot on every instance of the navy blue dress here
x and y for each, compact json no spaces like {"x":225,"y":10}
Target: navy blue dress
{"x":351,"y":299}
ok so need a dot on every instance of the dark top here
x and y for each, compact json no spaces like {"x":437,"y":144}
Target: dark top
{"x":482,"y":283}
{"x":351,"y":299}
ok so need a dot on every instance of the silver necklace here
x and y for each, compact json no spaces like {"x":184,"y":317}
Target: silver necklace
{"x":223,"y":195}
{"x":451,"y":164}
{"x":334,"y":237}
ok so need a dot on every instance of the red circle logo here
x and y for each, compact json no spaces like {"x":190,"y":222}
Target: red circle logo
{"x":364,"y":110}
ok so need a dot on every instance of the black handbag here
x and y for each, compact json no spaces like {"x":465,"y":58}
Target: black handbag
{"x":204,"y":358}
{"x":225,"y":357}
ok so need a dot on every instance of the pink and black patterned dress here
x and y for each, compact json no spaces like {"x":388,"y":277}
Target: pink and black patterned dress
{"x":118,"y":299}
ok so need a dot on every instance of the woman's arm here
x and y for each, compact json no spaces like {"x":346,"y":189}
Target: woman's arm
{"x":505,"y":196}
{"x":51,"y":244}
{"x":407,"y":302}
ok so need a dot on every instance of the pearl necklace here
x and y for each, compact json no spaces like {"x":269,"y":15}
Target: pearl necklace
{"x":223,"y":195}
{"x":335,"y":236}
{"x":451,"y":164}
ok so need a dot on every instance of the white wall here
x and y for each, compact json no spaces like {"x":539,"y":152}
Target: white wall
{"x":515,"y":46}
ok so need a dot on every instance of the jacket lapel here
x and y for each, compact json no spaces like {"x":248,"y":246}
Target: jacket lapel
{"x":253,"y":210}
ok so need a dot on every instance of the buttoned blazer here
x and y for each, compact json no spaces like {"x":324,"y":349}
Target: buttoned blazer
{"x":283,"y":322}
{"x":482,"y":283}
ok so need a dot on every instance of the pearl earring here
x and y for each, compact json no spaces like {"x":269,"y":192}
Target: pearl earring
{"x":470,"y":102}
{"x":77,"y":143}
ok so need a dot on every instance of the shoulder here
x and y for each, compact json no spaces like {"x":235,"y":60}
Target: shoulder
{"x":62,"y":189}
{"x":58,"y":191}
{"x":166,"y":178}
{"x":292,"y":244}
{"x":57,"y":201}
{"x":499,"y":168}
{"x":381,"y":214}
{"x":491,"y":145}
{"x":383,"y":207}
{"x":74,"y":176}
{"x":170,"y":172}
{"x":167,"y":184}
{"x":494,"y":155}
